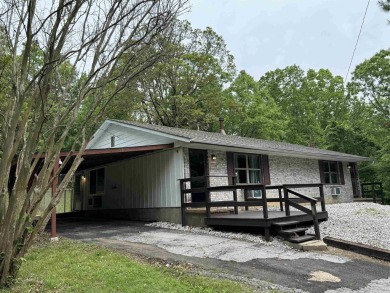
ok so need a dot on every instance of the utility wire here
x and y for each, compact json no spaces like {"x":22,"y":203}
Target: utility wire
{"x":357,"y":41}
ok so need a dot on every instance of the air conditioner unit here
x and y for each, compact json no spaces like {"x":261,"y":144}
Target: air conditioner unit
{"x":335,"y":190}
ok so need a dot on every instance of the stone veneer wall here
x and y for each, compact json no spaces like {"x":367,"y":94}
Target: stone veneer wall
{"x":283,"y":170}
{"x":216,"y":168}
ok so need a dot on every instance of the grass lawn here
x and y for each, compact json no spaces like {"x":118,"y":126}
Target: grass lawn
{"x":72,"y":266}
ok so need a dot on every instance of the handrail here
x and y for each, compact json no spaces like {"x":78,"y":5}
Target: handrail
{"x":303,"y":185}
{"x":308,"y":198}
{"x":312,"y":212}
{"x":198,"y":178}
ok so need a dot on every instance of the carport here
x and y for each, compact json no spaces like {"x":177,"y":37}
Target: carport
{"x":98,"y":157}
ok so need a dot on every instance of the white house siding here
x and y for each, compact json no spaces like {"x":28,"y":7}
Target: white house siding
{"x":126,"y":137}
{"x":149,"y":181}
{"x":286,"y":170}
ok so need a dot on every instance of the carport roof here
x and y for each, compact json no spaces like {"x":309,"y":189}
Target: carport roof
{"x":93,"y":158}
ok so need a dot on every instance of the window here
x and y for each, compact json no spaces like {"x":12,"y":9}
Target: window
{"x":331,"y":172}
{"x":96,"y":181}
{"x":247,"y":168}
{"x":96,"y":187}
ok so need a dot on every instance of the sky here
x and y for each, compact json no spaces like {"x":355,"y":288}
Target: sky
{"x":264,"y":35}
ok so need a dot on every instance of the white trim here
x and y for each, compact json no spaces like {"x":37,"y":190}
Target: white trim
{"x":285,"y":153}
{"x":155,"y":132}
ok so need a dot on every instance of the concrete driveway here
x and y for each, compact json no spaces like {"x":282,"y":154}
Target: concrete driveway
{"x":264,"y":266}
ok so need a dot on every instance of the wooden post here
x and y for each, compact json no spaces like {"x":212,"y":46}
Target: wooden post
{"x":264,"y":202}
{"x":208,"y":199}
{"x":315,"y":220}
{"x":54,"y":213}
{"x":286,"y":203}
{"x":183,"y":209}
{"x":246,"y":198}
{"x":281,"y":199}
{"x":322,"y":198}
{"x":267,"y":234}
{"x":373,"y":195}
{"x":235,"y":196}
{"x":382,"y":194}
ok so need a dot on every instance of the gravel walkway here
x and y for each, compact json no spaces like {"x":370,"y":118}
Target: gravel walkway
{"x":367,"y":223}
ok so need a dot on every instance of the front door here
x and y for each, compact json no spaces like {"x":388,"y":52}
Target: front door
{"x":198,"y":167}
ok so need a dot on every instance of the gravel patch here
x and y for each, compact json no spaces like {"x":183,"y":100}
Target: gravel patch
{"x":366,"y":223}
{"x":275,"y":241}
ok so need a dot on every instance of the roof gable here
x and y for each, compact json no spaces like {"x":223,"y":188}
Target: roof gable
{"x":127,"y":136}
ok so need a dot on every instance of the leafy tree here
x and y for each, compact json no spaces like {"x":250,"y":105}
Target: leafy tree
{"x":308,"y":100}
{"x":185,"y":90}
{"x":60,"y":55}
{"x":385,"y":4}
{"x":252,"y":112}
{"x":370,"y":89}
{"x":371,"y":81}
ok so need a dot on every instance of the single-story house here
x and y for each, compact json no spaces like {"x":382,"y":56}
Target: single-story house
{"x":132,"y":170}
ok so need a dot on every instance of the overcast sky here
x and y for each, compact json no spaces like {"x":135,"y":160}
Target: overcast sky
{"x":264,"y":35}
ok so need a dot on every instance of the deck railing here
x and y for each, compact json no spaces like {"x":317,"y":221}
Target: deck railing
{"x":301,"y":198}
{"x":263,"y":201}
{"x":373,"y":190}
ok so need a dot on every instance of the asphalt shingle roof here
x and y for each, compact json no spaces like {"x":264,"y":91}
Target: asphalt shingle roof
{"x":214,"y":138}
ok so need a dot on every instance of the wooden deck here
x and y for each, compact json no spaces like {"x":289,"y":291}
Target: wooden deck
{"x":294,"y":206}
{"x":256,"y":218}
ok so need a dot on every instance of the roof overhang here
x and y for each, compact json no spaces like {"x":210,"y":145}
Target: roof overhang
{"x":98,"y":157}
{"x":281,"y":153}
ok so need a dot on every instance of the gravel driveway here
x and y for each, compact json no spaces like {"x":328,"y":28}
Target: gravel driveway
{"x":367,"y":223}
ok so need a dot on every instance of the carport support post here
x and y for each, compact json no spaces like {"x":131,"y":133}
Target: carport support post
{"x":54,"y":212}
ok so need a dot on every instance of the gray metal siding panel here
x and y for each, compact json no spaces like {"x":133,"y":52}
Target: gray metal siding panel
{"x":145,"y":182}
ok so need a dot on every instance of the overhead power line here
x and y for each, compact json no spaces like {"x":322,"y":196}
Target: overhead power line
{"x":357,"y":41}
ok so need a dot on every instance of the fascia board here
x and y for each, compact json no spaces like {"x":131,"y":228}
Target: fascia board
{"x":98,"y":133}
{"x":175,"y":137}
{"x":282,"y":153}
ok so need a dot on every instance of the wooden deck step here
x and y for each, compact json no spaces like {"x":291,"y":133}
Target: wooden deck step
{"x":301,"y":239}
{"x":293,"y":231}
{"x":284,"y":224}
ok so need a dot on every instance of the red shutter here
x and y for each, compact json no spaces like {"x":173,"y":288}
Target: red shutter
{"x":230,"y":166}
{"x":265,"y":169}
{"x":341,"y":173}
{"x":322,"y":175}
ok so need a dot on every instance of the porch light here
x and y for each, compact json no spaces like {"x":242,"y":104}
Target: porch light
{"x":349,"y":166}
{"x":213,"y":157}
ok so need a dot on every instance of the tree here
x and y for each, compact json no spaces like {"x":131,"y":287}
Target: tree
{"x":59,"y":56}
{"x":371,"y":81}
{"x":252,"y":112}
{"x":186,"y":89}
{"x":385,"y":4}
{"x":370,"y":90}
{"x":308,"y":100}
